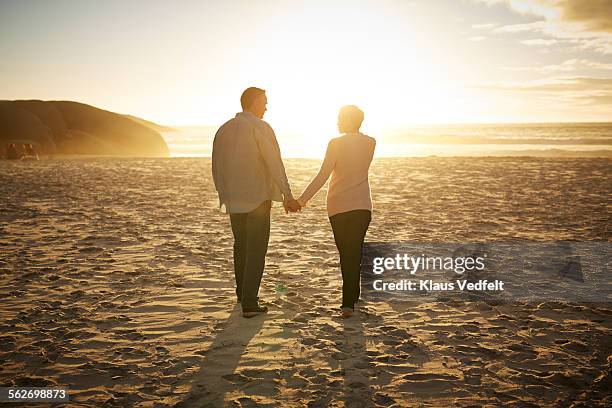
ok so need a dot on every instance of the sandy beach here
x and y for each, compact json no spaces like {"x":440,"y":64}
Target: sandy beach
{"x":117,"y":283}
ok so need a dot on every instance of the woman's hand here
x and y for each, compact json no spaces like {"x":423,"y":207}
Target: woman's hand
{"x":292,"y":206}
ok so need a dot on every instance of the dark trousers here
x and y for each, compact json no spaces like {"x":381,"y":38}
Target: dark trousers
{"x":349,"y":231}
{"x":251,"y":234}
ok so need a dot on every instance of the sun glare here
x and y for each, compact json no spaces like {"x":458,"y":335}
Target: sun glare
{"x":365,"y":57}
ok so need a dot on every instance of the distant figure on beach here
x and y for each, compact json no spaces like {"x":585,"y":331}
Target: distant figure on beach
{"x":349,"y":206}
{"x":30,"y":153}
{"x":12,"y":153}
{"x":249,"y":174}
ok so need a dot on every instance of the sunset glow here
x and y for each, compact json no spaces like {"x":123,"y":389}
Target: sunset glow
{"x":403,"y":62}
{"x":316,"y":203}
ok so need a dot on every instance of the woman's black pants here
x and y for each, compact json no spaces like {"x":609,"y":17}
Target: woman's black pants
{"x":349,"y":231}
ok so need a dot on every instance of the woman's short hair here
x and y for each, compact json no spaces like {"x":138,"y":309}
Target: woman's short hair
{"x":351,"y":114}
{"x":249,"y":95}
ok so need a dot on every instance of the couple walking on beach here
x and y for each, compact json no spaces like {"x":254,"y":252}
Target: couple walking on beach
{"x":249,"y":174}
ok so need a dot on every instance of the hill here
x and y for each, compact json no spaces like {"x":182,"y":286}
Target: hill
{"x":67,"y":127}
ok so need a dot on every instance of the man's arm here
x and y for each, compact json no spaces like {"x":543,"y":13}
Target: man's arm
{"x":270,"y":151}
{"x":214,"y":161}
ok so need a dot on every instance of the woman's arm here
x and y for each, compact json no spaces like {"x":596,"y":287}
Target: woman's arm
{"x":326,"y":169}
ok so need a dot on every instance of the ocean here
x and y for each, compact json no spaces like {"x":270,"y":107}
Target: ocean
{"x":535,"y":139}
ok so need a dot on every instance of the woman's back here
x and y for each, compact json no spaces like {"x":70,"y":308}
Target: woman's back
{"x":347,"y":159}
{"x":349,"y":188}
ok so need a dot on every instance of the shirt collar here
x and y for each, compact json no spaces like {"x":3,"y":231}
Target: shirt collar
{"x":244,"y":113}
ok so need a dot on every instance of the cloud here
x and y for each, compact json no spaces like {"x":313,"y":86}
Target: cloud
{"x":570,"y":65}
{"x":558,"y":84}
{"x":484,"y":26}
{"x":570,"y":36}
{"x":539,"y":41}
{"x":478,"y":38}
{"x":579,"y":24}
{"x":595,"y":14}
{"x":599,"y":99}
{"x":536,"y":26}
{"x":572,"y":92}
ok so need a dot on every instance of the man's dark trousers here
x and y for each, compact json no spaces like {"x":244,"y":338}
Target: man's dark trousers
{"x":251,"y":234}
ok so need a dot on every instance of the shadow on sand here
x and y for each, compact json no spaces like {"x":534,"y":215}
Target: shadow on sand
{"x":356,"y":369}
{"x":217,"y":376}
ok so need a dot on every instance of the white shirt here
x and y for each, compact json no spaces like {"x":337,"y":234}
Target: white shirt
{"x":348,"y":160}
{"x":246,"y":164}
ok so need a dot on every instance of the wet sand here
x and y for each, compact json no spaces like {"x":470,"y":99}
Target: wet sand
{"x":117,"y":282}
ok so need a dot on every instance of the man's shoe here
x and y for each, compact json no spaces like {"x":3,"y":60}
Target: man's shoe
{"x":251,"y":312}
{"x":346,"y":312}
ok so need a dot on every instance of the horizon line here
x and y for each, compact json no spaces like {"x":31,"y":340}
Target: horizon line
{"x":408,"y":125}
{"x":433,"y":123}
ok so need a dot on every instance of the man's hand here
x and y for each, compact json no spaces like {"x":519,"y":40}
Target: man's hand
{"x":292,"y":206}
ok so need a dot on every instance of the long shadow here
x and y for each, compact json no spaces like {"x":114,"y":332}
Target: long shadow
{"x":217,"y":376}
{"x":357,"y":389}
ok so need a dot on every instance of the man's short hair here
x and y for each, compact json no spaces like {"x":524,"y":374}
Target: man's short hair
{"x":249,"y":95}
{"x":353,"y":114}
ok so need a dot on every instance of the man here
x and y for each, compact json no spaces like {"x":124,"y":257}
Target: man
{"x":249,"y":174}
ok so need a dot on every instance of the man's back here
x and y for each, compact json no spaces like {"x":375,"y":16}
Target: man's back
{"x":246,"y":164}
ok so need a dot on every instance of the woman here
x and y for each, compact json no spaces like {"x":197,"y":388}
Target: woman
{"x":349,"y":205}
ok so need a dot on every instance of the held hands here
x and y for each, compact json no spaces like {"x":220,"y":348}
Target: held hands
{"x":292,"y":206}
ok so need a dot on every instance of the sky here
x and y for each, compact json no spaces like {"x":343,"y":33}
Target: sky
{"x":402,"y":62}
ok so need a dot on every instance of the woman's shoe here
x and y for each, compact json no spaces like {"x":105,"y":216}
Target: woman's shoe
{"x":346,"y":312}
